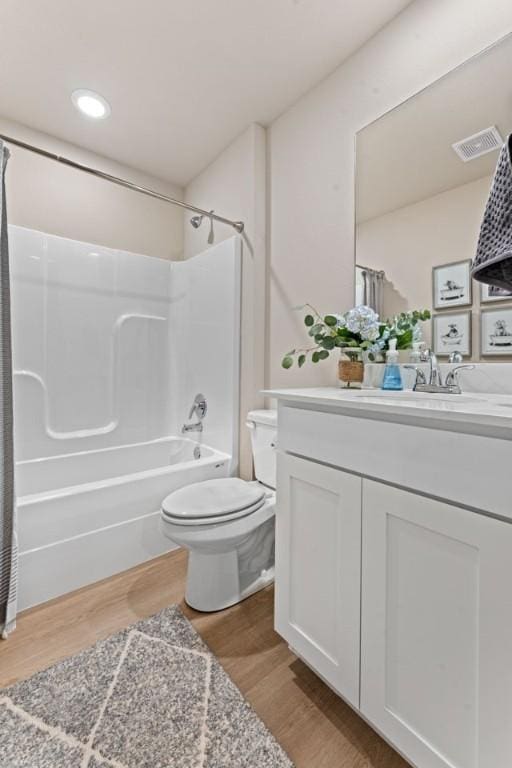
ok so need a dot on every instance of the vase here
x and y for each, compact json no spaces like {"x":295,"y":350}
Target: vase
{"x":351,"y":369}
{"x":373,"y":357}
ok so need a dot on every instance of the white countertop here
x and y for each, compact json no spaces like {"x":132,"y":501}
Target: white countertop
{"x":489,"y":414}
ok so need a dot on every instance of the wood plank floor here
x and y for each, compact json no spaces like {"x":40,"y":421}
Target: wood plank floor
{"x":313,"y":725}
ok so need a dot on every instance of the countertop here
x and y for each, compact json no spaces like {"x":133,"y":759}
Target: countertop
{"x":489,"y":414}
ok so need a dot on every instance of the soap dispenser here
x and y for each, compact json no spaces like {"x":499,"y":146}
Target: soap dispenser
{"x":392,"y":376}
{"x":415,"y":354}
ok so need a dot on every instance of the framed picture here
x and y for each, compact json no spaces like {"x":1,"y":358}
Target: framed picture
{"x":492,"y":293}
{"x":451,"y":285}
{"x":496,"y":332}
{"x":451,"y":332}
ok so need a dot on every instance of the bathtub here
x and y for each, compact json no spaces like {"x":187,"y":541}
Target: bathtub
{"x":86,"y":516}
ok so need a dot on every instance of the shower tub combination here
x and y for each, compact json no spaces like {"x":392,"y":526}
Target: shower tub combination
{"x":99,"y":510}
{"x":105,"y":370}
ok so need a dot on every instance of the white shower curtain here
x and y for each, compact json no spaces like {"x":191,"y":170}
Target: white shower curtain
{"x":8,"y":535}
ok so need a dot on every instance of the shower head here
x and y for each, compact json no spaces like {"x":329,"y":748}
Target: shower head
{"x":196,"y":221}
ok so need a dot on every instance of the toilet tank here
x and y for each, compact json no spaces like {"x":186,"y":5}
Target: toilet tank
{"x":263,"y":426}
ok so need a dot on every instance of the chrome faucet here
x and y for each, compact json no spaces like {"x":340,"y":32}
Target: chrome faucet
{"x":199,"y":408}
{"x":435,"y":381}
{"x":435,"y":378}
{"x":452,"y":377}
{"x":197,"y":427}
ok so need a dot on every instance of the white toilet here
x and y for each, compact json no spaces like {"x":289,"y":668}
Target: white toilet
{"x":228,"y":526}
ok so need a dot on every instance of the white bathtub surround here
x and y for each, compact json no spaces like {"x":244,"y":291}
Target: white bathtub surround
{"x":104,"y":378}
{"x":410,"y":547}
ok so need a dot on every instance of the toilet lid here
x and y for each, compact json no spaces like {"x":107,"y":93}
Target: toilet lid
{"x":224,"y":497}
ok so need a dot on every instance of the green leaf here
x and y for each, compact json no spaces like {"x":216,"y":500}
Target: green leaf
{"x":309,"y":320}
{"x":315,"y":329}
{"x":301,"y":360}
{"x":323,"y":354}
{"x":287,"y":361}
{"x":404,"y":341}
{"x":328,"y":342}
{"x":315,"y":357}
{"x":330,"y":320}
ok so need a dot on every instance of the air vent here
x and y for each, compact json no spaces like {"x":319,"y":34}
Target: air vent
{"x":479,"y":144}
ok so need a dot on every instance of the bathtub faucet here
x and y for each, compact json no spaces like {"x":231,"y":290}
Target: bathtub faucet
{"x":199,"y":408}
{"x":197,"y":427}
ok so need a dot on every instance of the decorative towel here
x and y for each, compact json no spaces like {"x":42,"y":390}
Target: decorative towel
{"x":493,"y":260}
{"x":8,"y":536}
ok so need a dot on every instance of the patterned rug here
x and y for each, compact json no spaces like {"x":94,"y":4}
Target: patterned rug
{"x":151,"y":696}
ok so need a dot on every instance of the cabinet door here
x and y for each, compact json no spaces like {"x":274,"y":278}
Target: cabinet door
{"x":318,"y":568}
{"x":436,"y":670}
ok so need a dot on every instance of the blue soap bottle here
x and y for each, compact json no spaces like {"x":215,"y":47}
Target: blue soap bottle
{"x":392,"y":377}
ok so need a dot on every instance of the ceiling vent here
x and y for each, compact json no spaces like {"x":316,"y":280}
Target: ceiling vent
{"x":479,"y":144}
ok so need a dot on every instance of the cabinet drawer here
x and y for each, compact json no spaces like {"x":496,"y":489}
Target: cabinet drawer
{"x":449,"y":465}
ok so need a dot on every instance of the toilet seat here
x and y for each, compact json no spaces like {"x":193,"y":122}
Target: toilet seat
{"x":213,"y":501}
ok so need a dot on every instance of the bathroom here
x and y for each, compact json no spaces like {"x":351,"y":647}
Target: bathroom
{"x":231,"y":535}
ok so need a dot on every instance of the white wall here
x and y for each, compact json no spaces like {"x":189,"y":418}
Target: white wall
{"x":311,"y":150}
{"x":408,"y":242}
{"x":44,"y":195}
{"x":234,"y":185}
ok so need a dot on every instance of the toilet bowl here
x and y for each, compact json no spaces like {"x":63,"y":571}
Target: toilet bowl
{"x":228,"y":526}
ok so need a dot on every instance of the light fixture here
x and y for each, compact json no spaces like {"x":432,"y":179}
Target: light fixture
{"x":90,"y":104}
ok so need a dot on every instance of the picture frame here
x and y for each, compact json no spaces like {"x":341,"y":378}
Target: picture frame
{"x":496,"y":332}
{"x":452,"y":285}
{"x":490,"y":293}
{"x":451,"y":332}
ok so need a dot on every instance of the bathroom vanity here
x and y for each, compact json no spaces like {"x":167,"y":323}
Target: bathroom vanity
{"x":394,"y":563}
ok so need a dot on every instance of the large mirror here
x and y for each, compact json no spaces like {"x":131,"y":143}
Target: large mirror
{"x":423,"y":173}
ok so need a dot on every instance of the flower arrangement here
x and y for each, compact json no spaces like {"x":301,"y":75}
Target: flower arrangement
{"x":359,"y":328}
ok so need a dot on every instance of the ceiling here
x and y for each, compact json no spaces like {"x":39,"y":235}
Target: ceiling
{"x":407,"y":156}
{"x":183,"y":77}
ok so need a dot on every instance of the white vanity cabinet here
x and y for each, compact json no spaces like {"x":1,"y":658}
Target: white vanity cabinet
{"x":318,"y":569}
{"x":400,"y":601}
{"x":436,"y":639}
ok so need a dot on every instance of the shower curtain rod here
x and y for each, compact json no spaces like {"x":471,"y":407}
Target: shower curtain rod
{"x":238,"y":225}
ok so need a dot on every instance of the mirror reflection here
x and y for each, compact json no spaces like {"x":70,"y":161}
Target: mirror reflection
{"x":423,"y":174}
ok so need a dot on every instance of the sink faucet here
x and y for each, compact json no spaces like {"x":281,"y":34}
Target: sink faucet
{"x":199,"y":408}
{"x":435,"y":381}
{"x":452,"y":377}
{"x":435,"y":378}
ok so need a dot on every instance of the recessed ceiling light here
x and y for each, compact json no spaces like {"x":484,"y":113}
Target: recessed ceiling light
{"x":90,"y":104}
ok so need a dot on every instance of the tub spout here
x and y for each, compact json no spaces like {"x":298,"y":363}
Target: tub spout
{"x":197,"y":427}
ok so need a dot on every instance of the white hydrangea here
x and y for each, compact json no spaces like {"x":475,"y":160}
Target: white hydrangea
{"x":364,"y":321}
